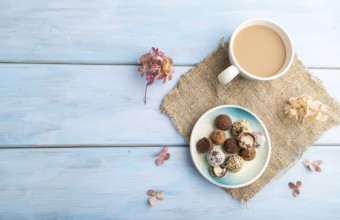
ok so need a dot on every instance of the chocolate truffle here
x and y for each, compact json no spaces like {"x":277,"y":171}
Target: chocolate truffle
{"x":231,"y":146}
{"x":234,"y":163}
{"x":218,"y":136}
{"x":218,"y":171}
{"x":238,"y":127}
{"x":204,"y":145}
{"x":246,"y":140}
{"x":259,"y":139}
{"x":223,"y":122}
{"x":248,"y":154}
{"x":215,"y":157}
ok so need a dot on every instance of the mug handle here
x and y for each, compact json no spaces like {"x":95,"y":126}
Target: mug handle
{"x":228,"y":74}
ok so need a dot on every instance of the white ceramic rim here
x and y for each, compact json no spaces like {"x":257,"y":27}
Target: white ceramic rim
{"x":260,"y":21}
{"x":193,"y":145}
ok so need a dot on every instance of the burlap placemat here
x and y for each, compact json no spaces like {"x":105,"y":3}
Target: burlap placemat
{"x":199,"y":90}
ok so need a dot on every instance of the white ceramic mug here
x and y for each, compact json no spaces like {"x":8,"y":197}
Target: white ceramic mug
{"x":232,"y":71}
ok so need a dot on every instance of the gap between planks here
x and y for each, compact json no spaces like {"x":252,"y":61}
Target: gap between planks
{"x":121,"y":146}
{"x":128,"y":64}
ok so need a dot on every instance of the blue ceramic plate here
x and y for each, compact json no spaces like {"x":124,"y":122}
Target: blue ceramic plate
{"x":251,"y":169}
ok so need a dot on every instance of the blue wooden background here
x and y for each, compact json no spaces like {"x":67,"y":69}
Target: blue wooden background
{"x":76,"y":140}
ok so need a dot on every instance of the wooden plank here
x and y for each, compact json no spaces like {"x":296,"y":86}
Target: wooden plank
{"x":116,"y":32}
{"x":94,"y":105}
{"x":110,"y":183}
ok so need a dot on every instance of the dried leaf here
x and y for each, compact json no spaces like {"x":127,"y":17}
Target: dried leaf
{"x":152,"y":201}
{"x":151,"y":192}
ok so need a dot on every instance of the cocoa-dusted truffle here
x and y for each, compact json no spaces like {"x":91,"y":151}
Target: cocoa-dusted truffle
{"x":248,"y":154}
{"x":239,"y":126}
{"x":204,"y":145}
{"x":231,"y":146}
{"x":259,"y":139}
{"x":234,"y":163}
{"x":218,"y":171}
{"x":218,"y":136}
{"x":223,"y":122}
{"x":215,"y":157}
{"x":246,"y":140}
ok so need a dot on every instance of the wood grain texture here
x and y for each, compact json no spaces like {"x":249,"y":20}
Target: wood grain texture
{"x":111,"y":183}
{"x":117,"y":32}
{"x":94,"y":105}
{"x":103,"y":105}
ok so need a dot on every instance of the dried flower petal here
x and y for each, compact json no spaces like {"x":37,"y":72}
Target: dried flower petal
{"x":318,"y":106}
{"x":296,"y":192}
{"x":152,"y":201}
{"x":163,"y":155}
{"x":296,"y":188}
{"x":154,"y":196}
{"x":160,"y":161}
{"x":159,"y":195}
{"x":298,"y":184}
{"x":166,"y":156}
{"x":306,"y":163}
{"x":315,"y":166}
{"x":151,"y":192}
{"x":291,"y":185}
{"x":164,"y":150}
{"x":287,"y":108}
{"x":317,"y":162}
{"x":323,"y":117}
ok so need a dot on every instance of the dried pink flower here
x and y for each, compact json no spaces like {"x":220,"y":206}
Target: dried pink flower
{"x":155,"y":65}
{"x":155,"y":195}
{"x":296,"y":188}
{"x":315,"y":166}
{"x":163,"y":156}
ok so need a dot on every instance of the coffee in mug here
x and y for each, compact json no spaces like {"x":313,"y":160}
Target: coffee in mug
{"x":259,"y":49}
